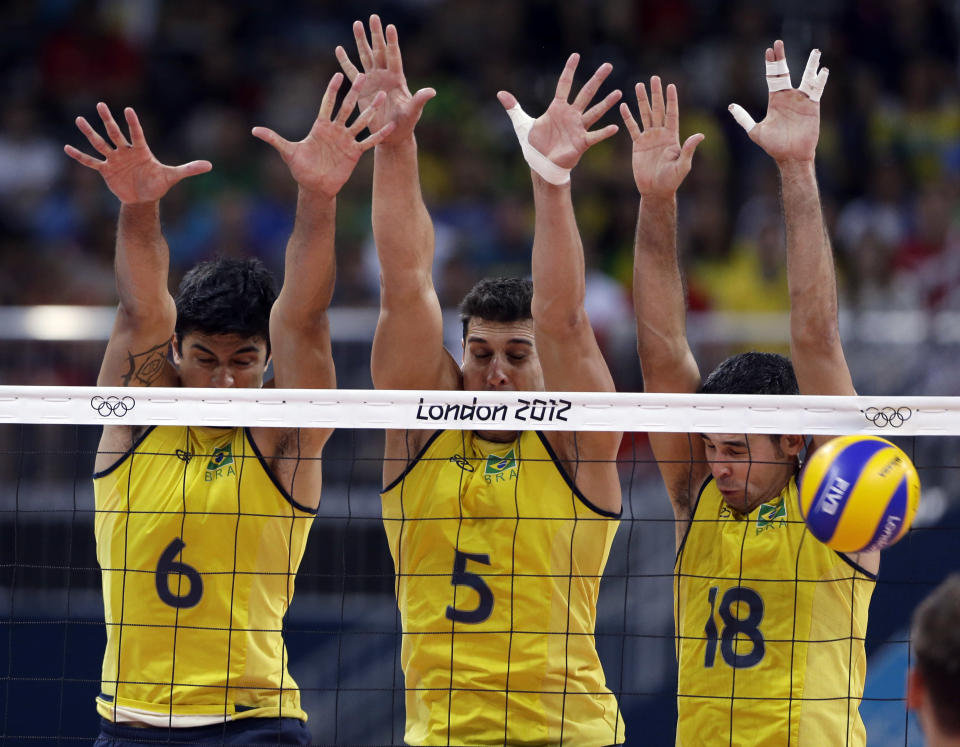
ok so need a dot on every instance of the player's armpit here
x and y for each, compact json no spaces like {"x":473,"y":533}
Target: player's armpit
{"x":147,"y":367}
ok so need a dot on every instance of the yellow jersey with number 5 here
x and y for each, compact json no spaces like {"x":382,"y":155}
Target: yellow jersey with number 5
{"x":498,"y":560}
{"x":198,"y":547}
{"x":770,"y":629}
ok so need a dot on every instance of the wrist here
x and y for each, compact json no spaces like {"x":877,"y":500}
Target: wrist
{"x":796,"y":167}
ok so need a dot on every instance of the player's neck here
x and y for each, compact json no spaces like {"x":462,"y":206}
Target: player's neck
{"x":498,"y":437}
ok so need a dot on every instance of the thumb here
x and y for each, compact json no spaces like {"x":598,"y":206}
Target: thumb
{"x":689,"y":146}
{"x":507,"y":99}
{"x":271,"y":138}
{"x":191,"y":169}
{"x":421,"y":97}
{"x":743,"y":119}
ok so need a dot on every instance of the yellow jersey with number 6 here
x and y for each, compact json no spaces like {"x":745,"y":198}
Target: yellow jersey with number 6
{"x":770,"y":629}
{"x":498,"y":560}
{"x":198,"y":547}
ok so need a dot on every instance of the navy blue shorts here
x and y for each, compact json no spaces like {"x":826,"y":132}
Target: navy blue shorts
{"x":259,"y":731}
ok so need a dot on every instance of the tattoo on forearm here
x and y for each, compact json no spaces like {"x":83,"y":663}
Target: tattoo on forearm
{"x":146,"y":367}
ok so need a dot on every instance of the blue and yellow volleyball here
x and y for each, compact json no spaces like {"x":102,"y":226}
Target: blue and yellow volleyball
{"x":859,"y":493}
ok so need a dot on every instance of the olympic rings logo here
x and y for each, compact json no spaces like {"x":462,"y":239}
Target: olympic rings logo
{"x":107,"y":406}
{"x":884,"y":416}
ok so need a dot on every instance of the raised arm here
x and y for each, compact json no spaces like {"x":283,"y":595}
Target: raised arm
{"x":660,"y":165}
{"x":566,"y":345}
{"x":136,"y":353}
{"x":321,"y":163}
{"x":789,"y":135}
{"x":408,"y":350}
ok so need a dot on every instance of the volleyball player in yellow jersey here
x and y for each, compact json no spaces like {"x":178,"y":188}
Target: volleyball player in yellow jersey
{"x":770,"y":623}
{"x":499,"y":539}
{"x":200,"y":530}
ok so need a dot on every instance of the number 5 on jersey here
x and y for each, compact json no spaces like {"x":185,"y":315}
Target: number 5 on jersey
{"x":462,"y":577}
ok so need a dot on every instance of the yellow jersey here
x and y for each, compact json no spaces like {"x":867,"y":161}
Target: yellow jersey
{"x":199,"y":547}
{"x":498,"y":561}
{"x":770,"y":628}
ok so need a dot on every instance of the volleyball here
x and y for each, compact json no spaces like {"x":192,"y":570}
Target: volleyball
{"x":859,"y":493}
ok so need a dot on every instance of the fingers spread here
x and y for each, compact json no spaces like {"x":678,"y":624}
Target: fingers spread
{"x":508,"y":100}
{"x":81,"y":157}
{"x":330,"y":96}
{"x":136,"y":131}
{"x":365,"y":116}
{"x":113,"y":130}
{"x":377,"y":137}
{"x":566,"y":77}
{"x":363,"y":48}
{"x":743,"y":119}
{"x":348,"y":67}
{"x":378,"y":42}
{"x":192,"y":169}
{"x":271,"y":138}
{"x":598,"y":110}
{"x":98,"y":143}
{"x":672,"y":117}
{"x":643,"y":104}
{"x":632,"y":127}
{"x":598,"y":135}
{"x":591,"y":87}
{"x":656,"y":102}
{"x":394,"y":59}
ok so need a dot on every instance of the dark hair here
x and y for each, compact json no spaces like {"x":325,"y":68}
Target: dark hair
{"x":497,"y":300}
{"x":752,"y":373}
{"x":936,"y":643}
{"x":226,"y":296}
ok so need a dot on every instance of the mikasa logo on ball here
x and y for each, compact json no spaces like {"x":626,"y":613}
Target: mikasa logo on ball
{"x":834,"y":495}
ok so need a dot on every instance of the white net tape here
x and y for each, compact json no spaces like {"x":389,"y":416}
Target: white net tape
{"x":549,"y":411}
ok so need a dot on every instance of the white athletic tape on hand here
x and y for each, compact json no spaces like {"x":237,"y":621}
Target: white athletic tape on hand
{"x":781,"y":83}
{"x":743,"y":119}
{"x":522,"y":123}
{"x":777,"y":67}
{"x":813,"y":82}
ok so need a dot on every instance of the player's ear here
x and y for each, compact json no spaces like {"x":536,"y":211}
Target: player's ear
{"x":175,"y":350}
{"x":791,"y":445}
{"x":915,"y":690}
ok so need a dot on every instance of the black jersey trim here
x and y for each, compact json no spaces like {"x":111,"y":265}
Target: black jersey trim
{"x":127,"y":453}
{"x":273,"y":477}
{"x":413,"y":463}
{"x":693,"y":515}
{"x":576,"y":491}
{"x":857,"y":567}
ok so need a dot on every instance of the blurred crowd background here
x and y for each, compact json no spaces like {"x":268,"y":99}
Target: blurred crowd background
{"x":202,"y":74}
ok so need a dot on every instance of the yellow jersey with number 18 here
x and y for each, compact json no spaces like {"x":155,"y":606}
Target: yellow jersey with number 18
{"x":770,"y":629}
{"x":199,"y":547}
{"x":498,"y":559}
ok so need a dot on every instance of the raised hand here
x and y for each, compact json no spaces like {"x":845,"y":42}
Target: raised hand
{"x":383,"y":71}
{"x":323,"y":161}
{"x":562,"y":133}
{"x":130,"y":169}
{"x":791,"y":128}
{"x":660,"y":164}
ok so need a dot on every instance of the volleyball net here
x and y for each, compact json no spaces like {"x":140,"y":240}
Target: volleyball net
{"x":343,"y":633}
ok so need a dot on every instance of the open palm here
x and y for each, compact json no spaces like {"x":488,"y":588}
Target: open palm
{"x":324,"y":160}
{"x":791,"y":128}
{"x":562,"y":133}
{"x":129,"y":168}
{"x":383,"y":71}
{"x":659,"y":163}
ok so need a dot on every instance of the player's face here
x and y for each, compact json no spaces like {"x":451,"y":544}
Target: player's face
{"x":225,"y":361}
{"x":501,"y":356}
{"x":750,"y":469}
